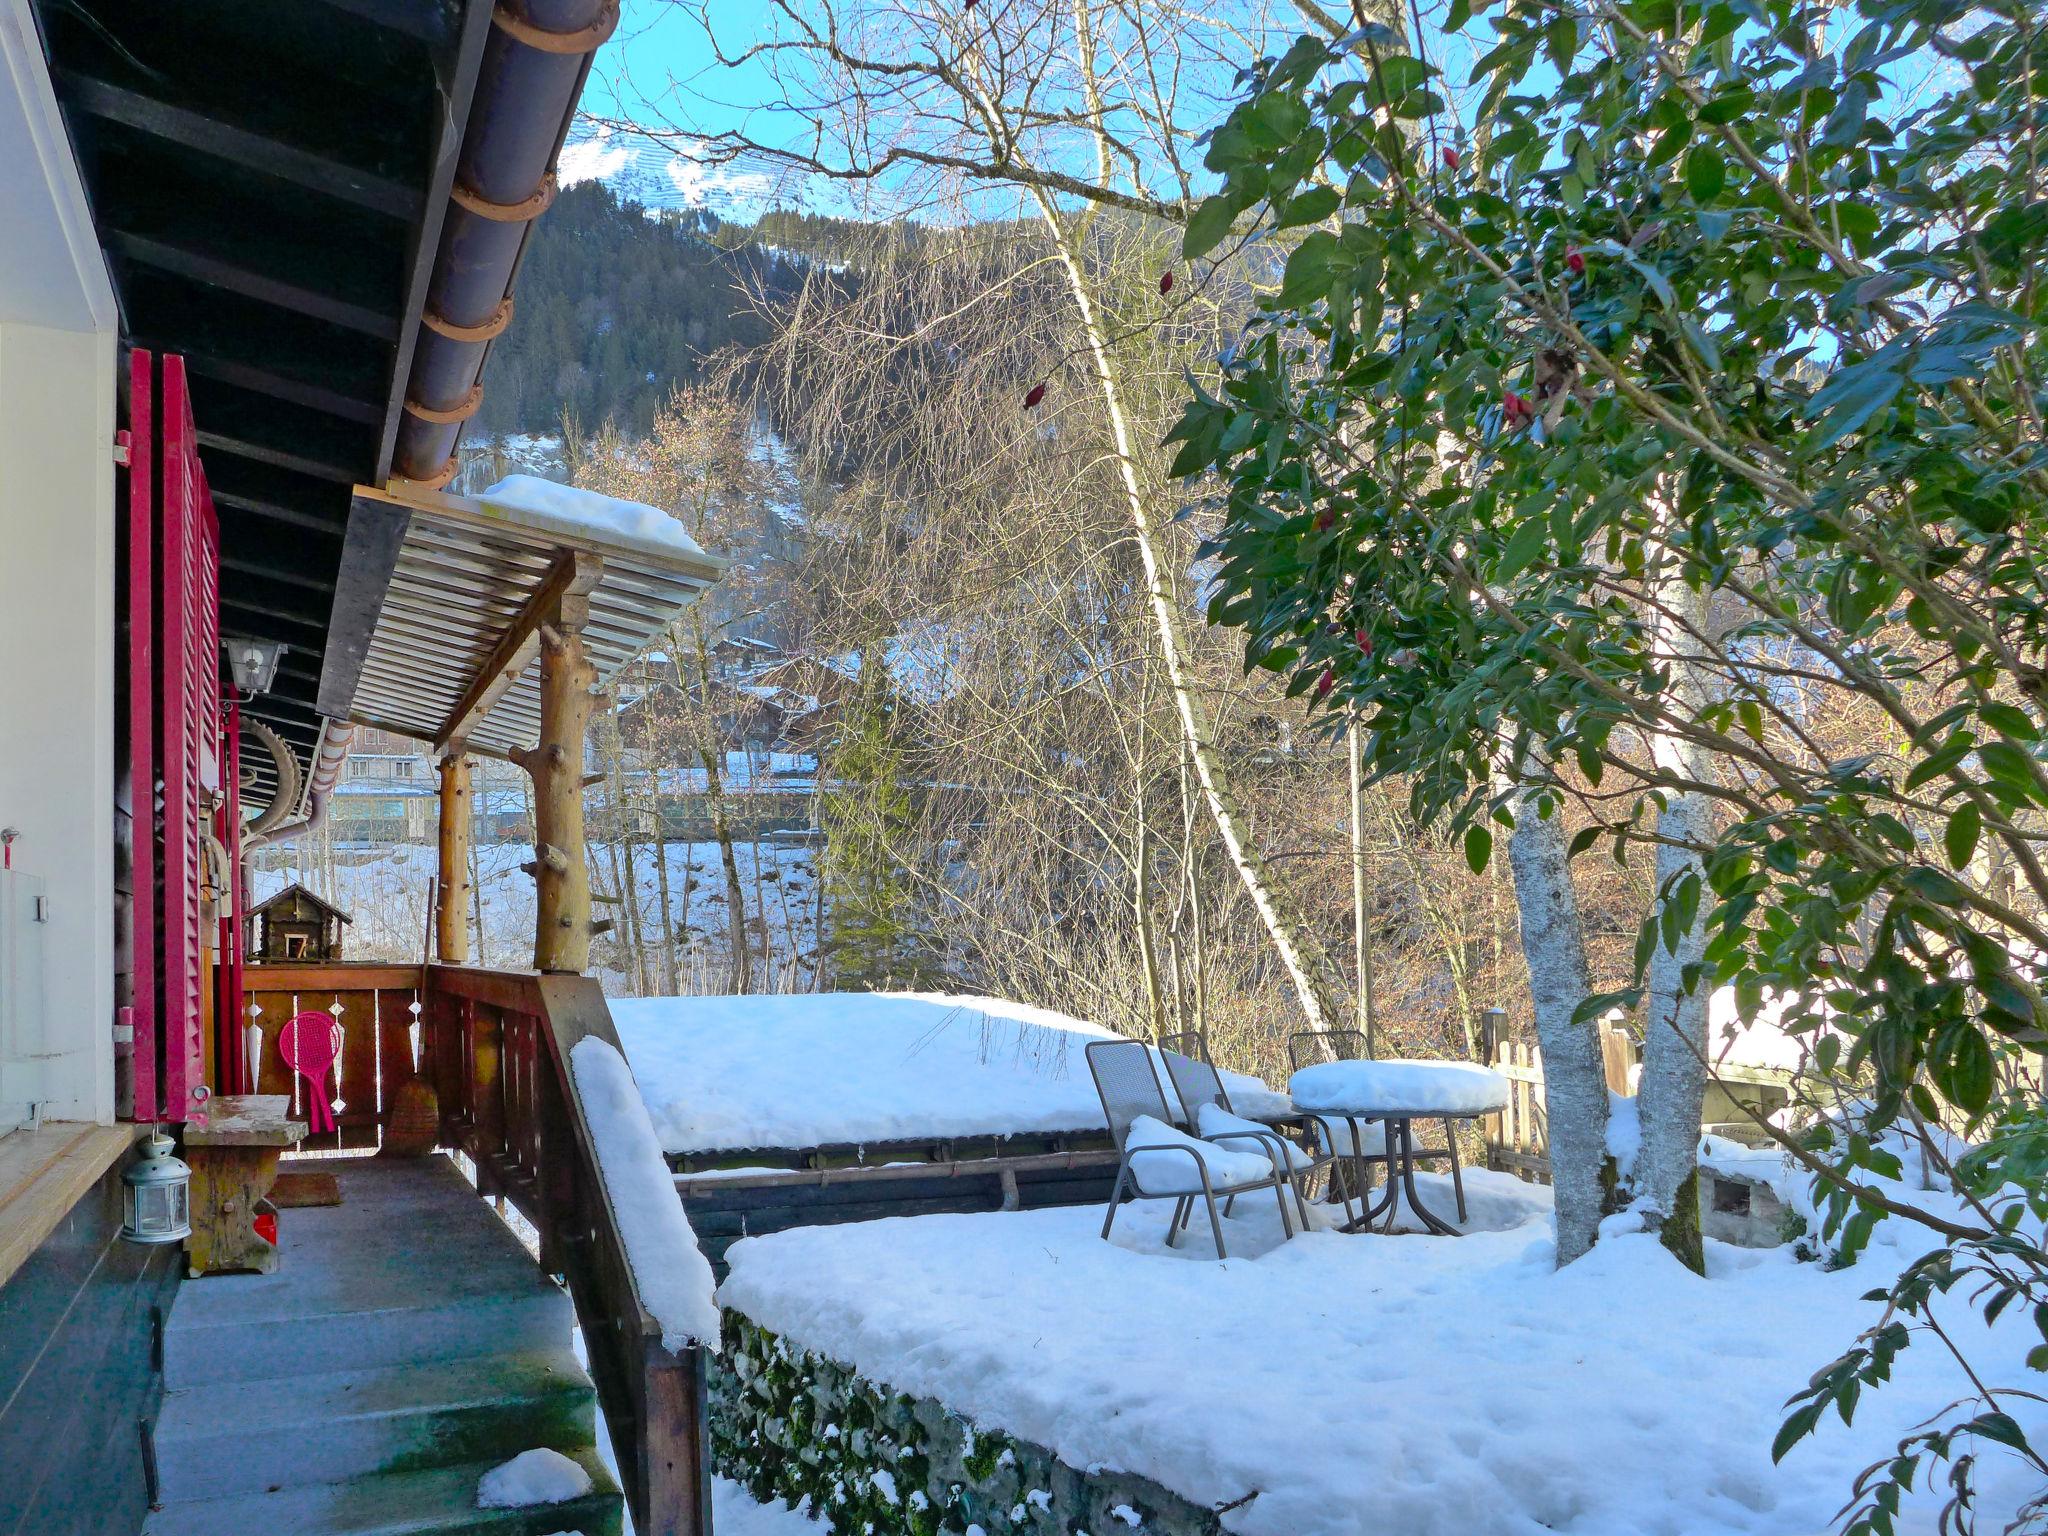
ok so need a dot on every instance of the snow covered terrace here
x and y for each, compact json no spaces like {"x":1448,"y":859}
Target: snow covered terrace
{"x":1008,"y":1372}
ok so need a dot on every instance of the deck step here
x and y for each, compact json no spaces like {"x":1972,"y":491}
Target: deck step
{"x":251,"y":1437}
{"x":440,"y":1501}
{"x":411,"y":1267}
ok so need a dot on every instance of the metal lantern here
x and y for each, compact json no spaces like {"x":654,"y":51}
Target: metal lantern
{"x":156,"y":1195}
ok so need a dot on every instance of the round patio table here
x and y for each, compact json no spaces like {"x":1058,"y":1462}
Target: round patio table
{"x":1396,"y":1094}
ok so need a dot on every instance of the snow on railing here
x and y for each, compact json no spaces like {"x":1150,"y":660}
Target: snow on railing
{"x":671,"y":1272}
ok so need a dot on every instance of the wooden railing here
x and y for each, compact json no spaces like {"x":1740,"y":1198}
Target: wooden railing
{"x":495,"y":1046}
{"x":500,"y":1063}
{"x":373,"y":1005}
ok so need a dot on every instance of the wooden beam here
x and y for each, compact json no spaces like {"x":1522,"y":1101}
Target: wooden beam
{"x":574,"y":574}
{"x":427,"y":22}
{"x":219,"y":271}
{"x":271,"y":615}
{"x":276,"y":512}
{"x":369,"y":554}
{"x":278,"y":458}
{"x":451,"y":917}
{"x":247,"y":147}
{"x":271,"y":573}
{"x":458,"y":71}
{"x":277,"y":386}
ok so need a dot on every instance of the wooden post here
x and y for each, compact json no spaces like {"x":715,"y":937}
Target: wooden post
{"x":451,"y":917}
{"x":568,"y":686}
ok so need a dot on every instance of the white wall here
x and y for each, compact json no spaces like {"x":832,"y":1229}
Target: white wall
{"x":57,"y":638}
{"x":57,"y":631}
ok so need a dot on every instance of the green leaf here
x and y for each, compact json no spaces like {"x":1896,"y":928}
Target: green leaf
{"x":1528,"y":541}
{"x":1970,"y":1073}
{"x":1797,"y":1426}
{"x":1706,"y":172}
{"x":1478,"y":847}
{"x":1960,"y":836}
{"x":1459,"y":13}
{"x":1210,"y":223}
{"x":1845,"y":124}
{"x":2009,"y":721}
{"x":1999,"y":1427}
{"x":1561,"y":41}
{"x":1313,"y":206}
{"x":1311,"y":269}
{"x":1852,"y":396}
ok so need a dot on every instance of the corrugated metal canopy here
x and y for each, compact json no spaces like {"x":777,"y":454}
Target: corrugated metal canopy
{"x":467,"y":574}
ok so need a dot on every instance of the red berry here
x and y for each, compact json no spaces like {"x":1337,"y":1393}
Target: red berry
{"x":1325,"y":520}
{"x":1451,"y":158}
{"x":1364,"y":643}
{"x":1166,"y":282}
{"x":1036,"y":394}
{"x":1573,"y":259}
{"x":1325,"y":683}
{"x":1514,"y":408}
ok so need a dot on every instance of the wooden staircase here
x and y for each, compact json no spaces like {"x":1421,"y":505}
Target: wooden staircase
{"x":406,"y":1345}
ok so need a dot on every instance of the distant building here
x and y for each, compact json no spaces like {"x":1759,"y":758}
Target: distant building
{"x":385,"y":797}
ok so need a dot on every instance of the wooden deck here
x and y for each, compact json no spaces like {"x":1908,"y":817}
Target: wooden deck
{"x":405,"y":1345}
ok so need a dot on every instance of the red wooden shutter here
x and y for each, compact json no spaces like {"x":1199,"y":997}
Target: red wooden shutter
{"x":188,"y":713}
{"x":142,"y":727}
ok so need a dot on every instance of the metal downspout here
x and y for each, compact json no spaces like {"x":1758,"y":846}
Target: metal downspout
{"x":335,"y":736}
{"x":528,"y":83}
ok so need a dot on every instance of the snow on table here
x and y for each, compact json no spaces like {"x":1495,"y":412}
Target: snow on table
{"x":1411,"y":1087}
{"x":1352,"y":1386}
{"x":858,"y":1068}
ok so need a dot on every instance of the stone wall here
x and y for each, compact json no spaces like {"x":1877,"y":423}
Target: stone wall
{"x":794,"y":1425}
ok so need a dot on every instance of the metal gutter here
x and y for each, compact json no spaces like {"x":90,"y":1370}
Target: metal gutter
{"x":534,"y":64}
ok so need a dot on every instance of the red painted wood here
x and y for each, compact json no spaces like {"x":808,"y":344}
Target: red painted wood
{"x":229,"y":1012}
{"x":142,"y":723}
{"x":188,"y":707}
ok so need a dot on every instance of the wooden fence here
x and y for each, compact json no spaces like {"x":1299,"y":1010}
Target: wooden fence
{"x":1517,"y":1139}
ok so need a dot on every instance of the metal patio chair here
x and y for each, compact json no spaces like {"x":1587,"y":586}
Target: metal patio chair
{"x":1310,"y":1046}
{"x":1127,"y":1082}
{"x":1196,"y":1083}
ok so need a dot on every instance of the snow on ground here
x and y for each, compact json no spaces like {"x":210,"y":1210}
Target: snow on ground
{"x":734,"y":1513}
{"x":672,"y":1274}
{"x":727,"y":1073}
{"x":1355,"y":1385}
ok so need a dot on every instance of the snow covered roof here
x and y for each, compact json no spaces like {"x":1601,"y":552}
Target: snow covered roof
{"x":578,"y":513}
{"x":836,"y":1069}
{"x":463,"y":576}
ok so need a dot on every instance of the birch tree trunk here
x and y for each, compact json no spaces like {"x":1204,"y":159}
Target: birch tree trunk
{"x":1674,"y":1076}
{"x":1574,"y":1075}
{"x":712,"y":752}
{"x":1282,"y":927}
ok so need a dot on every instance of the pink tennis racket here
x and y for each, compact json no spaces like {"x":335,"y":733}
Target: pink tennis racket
{"x":310,"y":1043}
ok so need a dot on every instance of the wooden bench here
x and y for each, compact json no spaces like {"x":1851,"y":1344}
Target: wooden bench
{"x":234,"y":1162}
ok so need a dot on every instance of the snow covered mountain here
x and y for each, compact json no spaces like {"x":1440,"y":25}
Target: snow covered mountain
{"x":660,"y":176}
